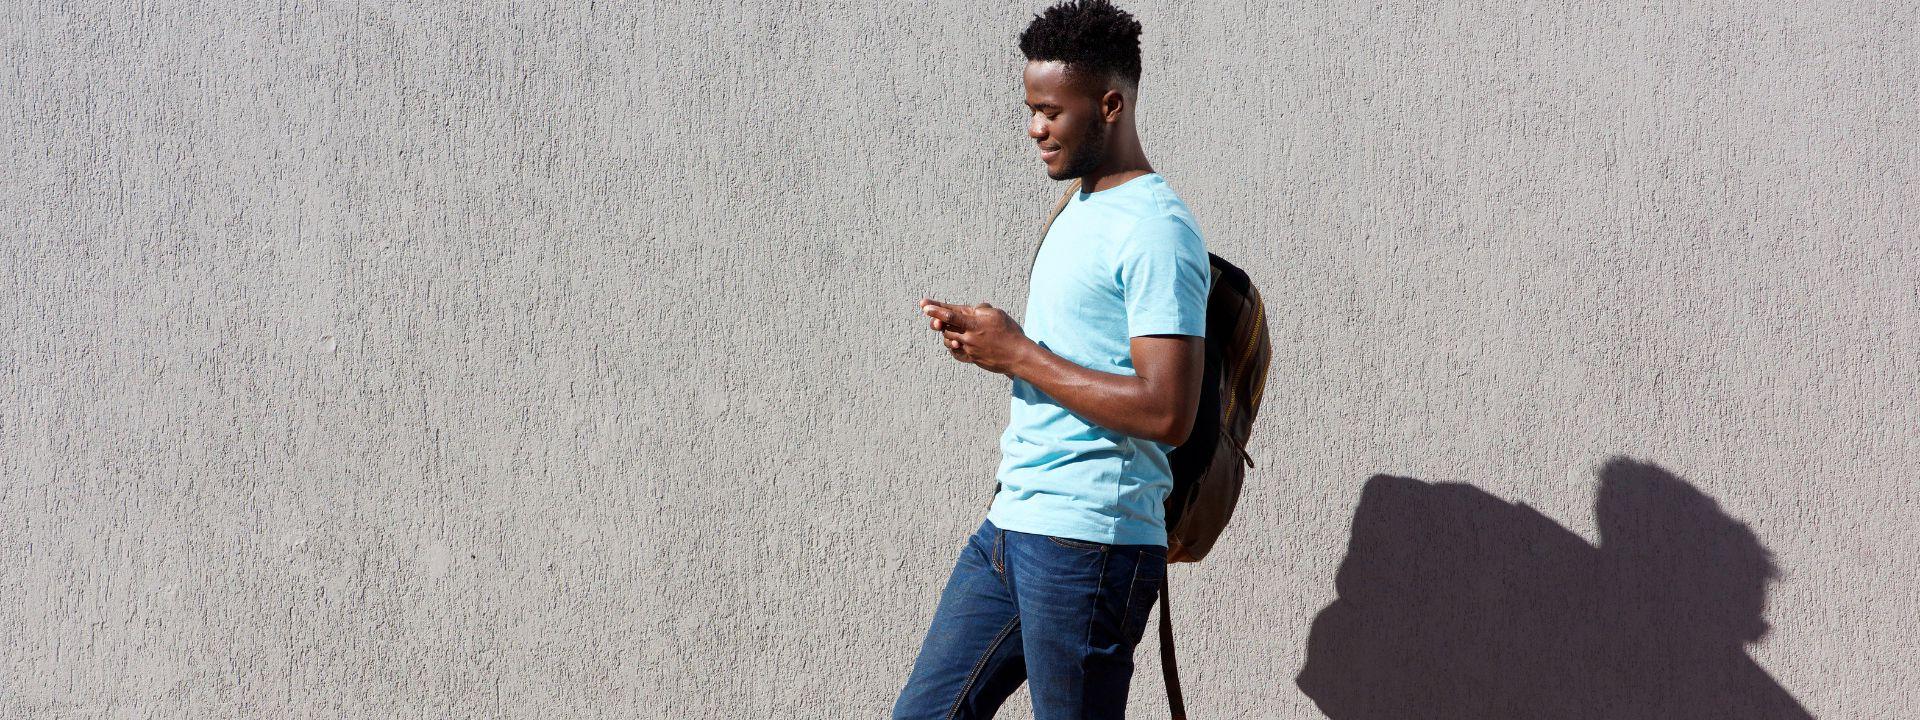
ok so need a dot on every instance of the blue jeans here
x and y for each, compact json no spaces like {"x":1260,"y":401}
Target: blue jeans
{"x":1061,"y":615}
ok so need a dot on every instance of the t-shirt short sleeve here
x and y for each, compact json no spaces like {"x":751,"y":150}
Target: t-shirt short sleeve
{"x":1164,"y":276}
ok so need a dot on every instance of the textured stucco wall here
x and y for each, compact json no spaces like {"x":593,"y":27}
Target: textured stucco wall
{"x":539,"y":361}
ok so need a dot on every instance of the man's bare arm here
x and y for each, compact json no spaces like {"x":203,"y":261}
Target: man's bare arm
{"x":1156,"y":403}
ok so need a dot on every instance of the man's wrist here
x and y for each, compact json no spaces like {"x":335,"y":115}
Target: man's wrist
{"x":1025,"y":356}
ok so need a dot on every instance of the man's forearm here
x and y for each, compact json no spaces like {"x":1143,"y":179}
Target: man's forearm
{"x":1126,"y":404}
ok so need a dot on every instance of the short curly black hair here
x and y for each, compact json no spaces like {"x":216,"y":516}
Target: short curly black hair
{"x":1090,"y":36}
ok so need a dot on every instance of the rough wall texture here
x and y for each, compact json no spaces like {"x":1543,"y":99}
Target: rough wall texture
{"x":371,"y":360}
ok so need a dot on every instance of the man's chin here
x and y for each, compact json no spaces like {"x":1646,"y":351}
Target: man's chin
{"x":1071,"y":168}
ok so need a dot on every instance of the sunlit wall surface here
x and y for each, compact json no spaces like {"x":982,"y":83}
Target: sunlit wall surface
{"x":561,"y":360}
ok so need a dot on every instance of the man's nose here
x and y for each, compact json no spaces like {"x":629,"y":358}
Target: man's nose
{"x":1036,"y":129}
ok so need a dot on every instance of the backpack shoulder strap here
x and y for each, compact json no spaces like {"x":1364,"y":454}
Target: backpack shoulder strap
{"x":1072,"y":188}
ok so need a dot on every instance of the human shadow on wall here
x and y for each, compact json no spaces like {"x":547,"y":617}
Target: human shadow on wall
{"x":1455,"y":604}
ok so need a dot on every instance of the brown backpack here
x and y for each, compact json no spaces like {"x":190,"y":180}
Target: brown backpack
{"x":1207,"y":468}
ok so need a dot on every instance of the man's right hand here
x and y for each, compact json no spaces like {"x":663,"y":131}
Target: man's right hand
{"x":954,"y":349}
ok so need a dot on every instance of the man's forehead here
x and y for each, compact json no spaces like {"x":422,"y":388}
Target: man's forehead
{"x":1053,"y":77}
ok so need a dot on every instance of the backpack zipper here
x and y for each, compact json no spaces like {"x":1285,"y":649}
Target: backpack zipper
{"x":1233,"y":387}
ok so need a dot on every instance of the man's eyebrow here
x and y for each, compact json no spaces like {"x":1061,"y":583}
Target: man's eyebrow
{"x":1040,"y":105}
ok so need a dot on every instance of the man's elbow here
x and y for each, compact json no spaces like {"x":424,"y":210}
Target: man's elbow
{"x":1174,"y":430}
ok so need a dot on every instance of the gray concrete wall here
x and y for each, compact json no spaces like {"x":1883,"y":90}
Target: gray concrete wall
{"x":370,"y":360}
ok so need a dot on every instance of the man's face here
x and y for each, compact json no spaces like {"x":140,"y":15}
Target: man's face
{"x":1066,"y":122}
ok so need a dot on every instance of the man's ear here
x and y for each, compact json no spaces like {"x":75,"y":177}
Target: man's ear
{"x":1111,"y":104}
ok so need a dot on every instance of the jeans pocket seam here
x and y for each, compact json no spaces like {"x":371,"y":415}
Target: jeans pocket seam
{"x":998,"y":556}
{"x":1075,"y":544}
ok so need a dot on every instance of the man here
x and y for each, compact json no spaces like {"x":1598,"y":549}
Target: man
{"x":1055,"y":587}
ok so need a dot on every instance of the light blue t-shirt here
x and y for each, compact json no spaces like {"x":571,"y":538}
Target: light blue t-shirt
{"x":1117,"y":263}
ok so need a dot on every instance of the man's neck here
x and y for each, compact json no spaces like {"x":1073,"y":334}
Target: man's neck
{"x":1126,"y":163}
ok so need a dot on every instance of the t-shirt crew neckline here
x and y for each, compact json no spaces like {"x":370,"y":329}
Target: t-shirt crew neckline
{"x":1085,"y":195}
